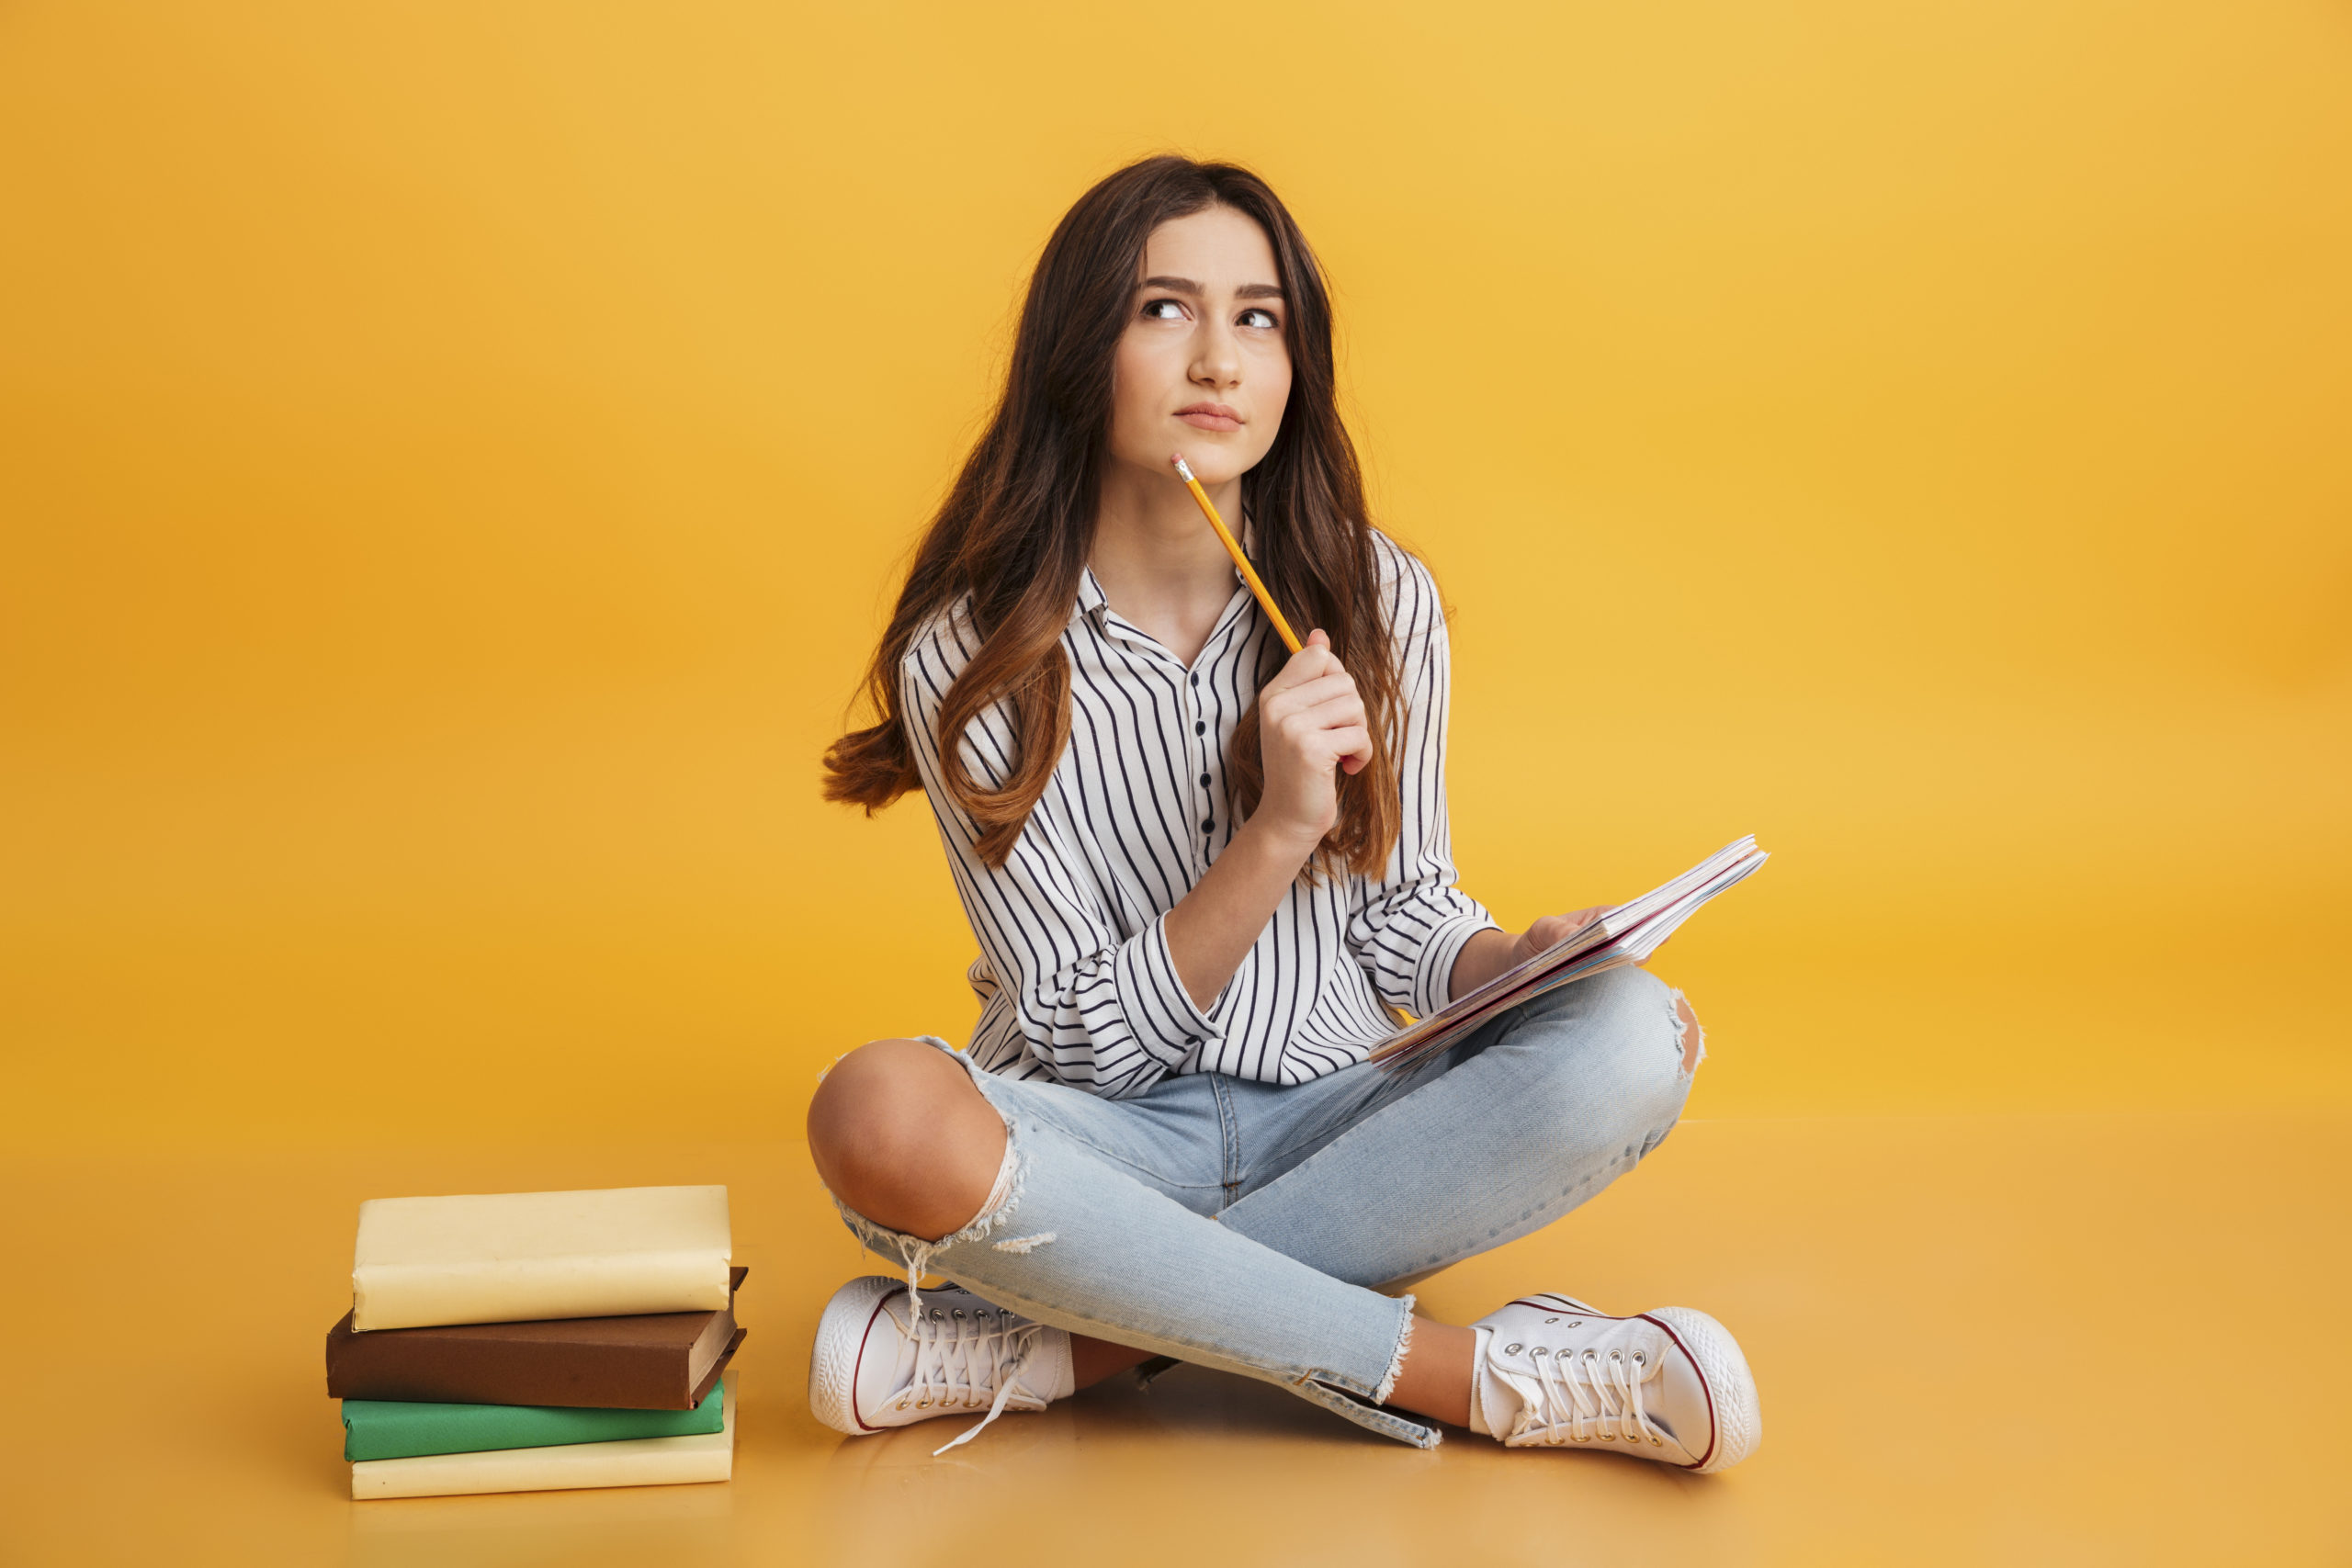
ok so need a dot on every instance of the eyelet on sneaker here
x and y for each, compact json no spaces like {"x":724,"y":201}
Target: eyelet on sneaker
{"x":1512,"y":1349}
{"x":1637,"y":1360}
{"x":1658,"y":1442}
{"x":1551,"y":1320}
{"x":959,"y":1312}
{"x":1541,"y":1350}
{"x":1614,"y":1357}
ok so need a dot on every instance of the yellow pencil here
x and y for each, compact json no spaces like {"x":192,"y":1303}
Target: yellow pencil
{"x":1233,"y":548}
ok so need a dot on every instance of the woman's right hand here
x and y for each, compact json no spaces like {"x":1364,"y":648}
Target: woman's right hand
{"x":1310,"y":721}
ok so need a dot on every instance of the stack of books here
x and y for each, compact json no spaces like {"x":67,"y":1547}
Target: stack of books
{"x":533,"y":1341}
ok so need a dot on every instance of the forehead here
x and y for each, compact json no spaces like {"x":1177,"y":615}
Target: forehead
{"x":1218,"y":246}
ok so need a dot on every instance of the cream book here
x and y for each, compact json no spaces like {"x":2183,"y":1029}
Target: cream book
{"x":631,"y":1461}
{"x":517,"y":1256}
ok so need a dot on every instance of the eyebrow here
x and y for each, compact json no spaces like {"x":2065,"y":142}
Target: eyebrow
{"x":1186,"y":286}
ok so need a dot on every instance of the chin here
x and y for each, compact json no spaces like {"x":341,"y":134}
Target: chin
{"x":1215,"y":465}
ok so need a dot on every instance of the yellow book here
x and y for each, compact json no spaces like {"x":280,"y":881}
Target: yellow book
{"x":521,"y":1257}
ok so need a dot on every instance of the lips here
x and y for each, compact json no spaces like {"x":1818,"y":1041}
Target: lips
{"x":1210,"y":416}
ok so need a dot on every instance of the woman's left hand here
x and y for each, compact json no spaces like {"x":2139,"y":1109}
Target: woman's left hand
{"x":1551,"y":930}
{"x":1492,"y":952}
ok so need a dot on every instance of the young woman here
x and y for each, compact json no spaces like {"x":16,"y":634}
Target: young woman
{"x":1206,"y":879}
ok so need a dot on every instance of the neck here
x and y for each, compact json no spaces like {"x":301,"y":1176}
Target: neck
{"x":1158,"y":561}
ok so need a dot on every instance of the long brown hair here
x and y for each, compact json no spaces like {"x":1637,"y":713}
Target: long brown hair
{"x":1014,"y":532}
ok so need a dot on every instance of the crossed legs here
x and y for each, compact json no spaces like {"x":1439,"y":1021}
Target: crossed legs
{"x":903,"y":1137}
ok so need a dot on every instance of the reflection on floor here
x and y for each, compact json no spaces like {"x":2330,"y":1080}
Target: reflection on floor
{"x":2078,"y":1340}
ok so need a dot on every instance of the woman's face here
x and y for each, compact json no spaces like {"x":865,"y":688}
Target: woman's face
{"x":1202,"y":369}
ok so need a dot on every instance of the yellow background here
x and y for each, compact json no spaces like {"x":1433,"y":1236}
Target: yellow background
{"x":453,"y":460}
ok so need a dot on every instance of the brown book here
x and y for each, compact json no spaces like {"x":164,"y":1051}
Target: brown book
{"x":664,"y":1360}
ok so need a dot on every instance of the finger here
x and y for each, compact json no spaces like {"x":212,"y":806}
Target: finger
{"x":1313,"y":731}
{"x":1340,"y":713}
{"x":1350,"y":741}
{"x":1317,"y":692}
{"x":1308,"y":664}
{"x":1550,"y":930}
{"x":1314,"y":658}
{"x":1279,"y":708}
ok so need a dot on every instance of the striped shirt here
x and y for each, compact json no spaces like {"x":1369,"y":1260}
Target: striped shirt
{"x":1075,"y":978}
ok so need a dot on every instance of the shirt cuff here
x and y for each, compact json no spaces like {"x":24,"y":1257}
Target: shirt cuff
{"x":1160,"y":1013}
{"x":1433,"y":979}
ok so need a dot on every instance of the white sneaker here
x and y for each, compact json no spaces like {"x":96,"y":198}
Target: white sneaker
{"x":880,"y":1362}
{"x":1668,"y":1385}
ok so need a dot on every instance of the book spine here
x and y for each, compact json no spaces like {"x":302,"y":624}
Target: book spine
{"x":426,"y":1295}
{"x":510,"y":1372}
{"x":638,"y":1462}
{"x":405,"y":1429}
{"x":540,"y":1470}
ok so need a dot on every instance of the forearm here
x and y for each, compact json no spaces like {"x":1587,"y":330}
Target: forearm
{"x":1212,"y":928}
{"x":1310,"y":723}
{"x":1481,"y":958}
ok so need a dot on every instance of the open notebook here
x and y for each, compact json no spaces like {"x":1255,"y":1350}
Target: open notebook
{"x":1626,"y":934}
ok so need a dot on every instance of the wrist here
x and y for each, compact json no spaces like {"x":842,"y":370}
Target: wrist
{"x":1292,"y":841}
{"x":1487,"y":954}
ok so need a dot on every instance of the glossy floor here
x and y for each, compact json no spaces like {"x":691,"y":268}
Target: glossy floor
{"x":2001,"y":1341}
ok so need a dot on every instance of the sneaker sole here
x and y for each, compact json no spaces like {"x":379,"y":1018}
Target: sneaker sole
{"x":1740,"y":1418}
{"x":833,"y":1361}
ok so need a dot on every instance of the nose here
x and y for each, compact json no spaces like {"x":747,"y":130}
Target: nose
{"x":1216,"y":355}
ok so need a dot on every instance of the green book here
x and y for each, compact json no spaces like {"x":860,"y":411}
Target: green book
{"x":385,"y":1429}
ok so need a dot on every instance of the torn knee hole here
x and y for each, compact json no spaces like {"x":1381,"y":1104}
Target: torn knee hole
{"x":1004,"y":1199}
{"x":1687,"y":1034}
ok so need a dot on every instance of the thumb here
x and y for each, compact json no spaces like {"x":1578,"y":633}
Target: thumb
{"x":1317,"y":638}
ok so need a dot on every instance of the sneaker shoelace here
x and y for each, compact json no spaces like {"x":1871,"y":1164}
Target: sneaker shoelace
{"x":1562,"y":1393}
{"x":962,"y":1357}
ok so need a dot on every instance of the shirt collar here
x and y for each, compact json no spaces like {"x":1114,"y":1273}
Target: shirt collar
{"x":1091,"y":600}
{"x":1095,"y":604}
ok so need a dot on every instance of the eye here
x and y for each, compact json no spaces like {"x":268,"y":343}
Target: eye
{"x":1254,"y":317}
{"x":1163,"y":310}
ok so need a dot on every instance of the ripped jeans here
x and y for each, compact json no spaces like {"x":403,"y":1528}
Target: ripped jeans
{"x":1243,"y":1225}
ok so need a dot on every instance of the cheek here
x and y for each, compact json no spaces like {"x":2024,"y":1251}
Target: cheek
{"x":1134,"y":383}
{"x":1130,"y":377}
{"x":1135,"y":400}
{"x":1274,"y":380}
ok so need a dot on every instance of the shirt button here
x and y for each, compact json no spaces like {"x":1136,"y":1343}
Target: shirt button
{"x":1205,"y":781}
{"x":1200,"y":726}
{"x":1192,"y":1040}
{"x":1209,"y":826}
{"x":1196,"y":680}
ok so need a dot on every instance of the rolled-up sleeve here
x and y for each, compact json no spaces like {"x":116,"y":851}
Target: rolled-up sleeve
{"x":1099,"y":1010}
{"x":1409,"y":927}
